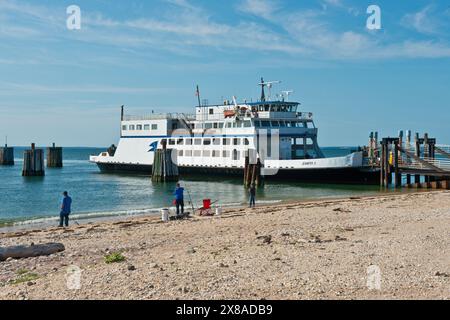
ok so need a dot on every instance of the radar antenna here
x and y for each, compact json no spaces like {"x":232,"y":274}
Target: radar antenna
{"x":286,"y":94}
{"x":269,"y":85}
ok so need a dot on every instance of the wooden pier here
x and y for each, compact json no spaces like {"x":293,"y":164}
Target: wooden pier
{"x":54,"y":157}
{"x":401,"y":163}
{"x":252,"y":170}
{"x":6,"y":156}
{"x":164,"y":169}
{"x":33,"y":162}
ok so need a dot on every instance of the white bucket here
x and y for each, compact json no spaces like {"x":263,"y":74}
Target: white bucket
{"x":218,"y":211}
{"x":165,"y":215}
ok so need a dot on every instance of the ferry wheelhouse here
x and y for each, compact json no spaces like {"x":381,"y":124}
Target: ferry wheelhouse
{"x":216,"y":139}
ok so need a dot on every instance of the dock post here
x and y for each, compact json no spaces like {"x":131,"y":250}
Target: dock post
{"x":426,"y":154}
{"x":33,"y":162}
{"x":397,"y":175}
{"x":164,"y":169}
{"x":382,"y":165}
{"x":417,"y":141}
{"x":54,"y":157}
{"x":6,"y":156}
{"x":246,"y":169}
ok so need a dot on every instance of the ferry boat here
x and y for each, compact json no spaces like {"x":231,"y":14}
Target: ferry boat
{"x":218,"y":138}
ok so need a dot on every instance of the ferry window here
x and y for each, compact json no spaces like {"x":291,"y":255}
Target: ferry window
{"x":216,"y":142}
{"x":206,"y":153}
{"x":265,"y":124}
{"x":293,"y":124}
{"x":236,"y":141}
{"x":188,"y":153}
{"x":229,"y":125}
{"x":261,"y":108}
{"x":267,"y":108}
{"x":139,"y":127}
{"x":215,"y":125}
{"x":208,"y":125}
{"x":225,"y":154}
{"x":275,"y":124}
{"x":216,"y":153}
{"x":171,"y":142}
{"x":132,"y":126}
{"x":247,"y":124}
{"x":288,"y":124}
{"x":299,"y":125}
{"x":221,"y":125}
{"x":124,"y":128}
{"x":207,"y":142}
{"x":235,"y":154}
{"x":154,"y":127}
{"x":199,"y":126}
{"x":198,"y":142}
{"x":257,"y":124}
{"x":197,"y":153}
{"x":180,"y":142}
{"x":235,"y":125}
{"x":146,"y":127}
{"x":180,"y":153}
{"x":246,"y":142}
{"x":211,"y":111}
{"x":226,"y":142}
{"x":282,"y":124}
{"x":189,"y":142}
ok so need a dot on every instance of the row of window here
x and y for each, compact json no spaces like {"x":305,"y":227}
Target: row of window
{"x":139,"y":127}
{"x":235,"y":154}
{"x":210,"y":141}
{"x":248,"y":124}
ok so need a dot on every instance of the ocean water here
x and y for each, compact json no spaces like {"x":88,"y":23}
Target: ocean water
{"x":37,"y":199}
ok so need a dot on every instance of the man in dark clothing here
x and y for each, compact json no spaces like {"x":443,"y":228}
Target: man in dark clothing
{"x":252,"y":193}
{"x":179,"y":199}
{"x":65,"y":210}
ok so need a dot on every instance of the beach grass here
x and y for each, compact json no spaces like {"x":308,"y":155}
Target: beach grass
{"x":24,"y":276}
{"x":114,"y":257}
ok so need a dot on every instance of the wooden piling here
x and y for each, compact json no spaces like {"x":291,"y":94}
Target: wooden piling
{"x":397,"y":175}
{"x":164,"y":169}
{"x":6,"y":156}
{"x":33,"y":162}
{"x":54,"y":157}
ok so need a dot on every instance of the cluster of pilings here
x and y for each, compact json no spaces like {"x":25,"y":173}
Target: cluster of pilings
{"x":393,"y":167}
{"x":252,"y":171}
{"x":164,"y":169}
{"x":54,"y":157}
{"x":33,"y":162}
{"x":6,"y":156}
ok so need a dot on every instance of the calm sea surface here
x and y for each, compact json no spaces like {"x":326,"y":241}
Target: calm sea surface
{"x":101,"y":195}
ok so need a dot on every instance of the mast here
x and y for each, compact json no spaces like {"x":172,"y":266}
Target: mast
{"x":197,"y":93}
{"x":263,"y":95}
{"x":121,"y":113}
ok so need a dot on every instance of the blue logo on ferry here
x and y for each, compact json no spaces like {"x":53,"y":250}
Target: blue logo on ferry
{"x":153,"y":146}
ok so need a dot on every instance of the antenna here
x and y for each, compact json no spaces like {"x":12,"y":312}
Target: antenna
{"x":6,"y":141}
{"x":269,"y":85}
{"x":235,"y":102}
{"x":287,"y":93}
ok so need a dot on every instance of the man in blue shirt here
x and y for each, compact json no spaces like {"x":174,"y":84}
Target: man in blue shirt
{"x":179,"y":199}
{"x":65,"y":210}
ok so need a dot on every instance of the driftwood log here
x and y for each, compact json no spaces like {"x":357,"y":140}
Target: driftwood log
{"x":18,"y":252}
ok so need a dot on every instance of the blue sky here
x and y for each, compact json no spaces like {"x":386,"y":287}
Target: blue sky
{"x":66,"y":86}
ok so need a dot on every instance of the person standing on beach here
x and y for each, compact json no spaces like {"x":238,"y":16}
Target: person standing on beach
{"x":179,"y":199}
{"x":252,"y":192}
{"x":65,"y":210}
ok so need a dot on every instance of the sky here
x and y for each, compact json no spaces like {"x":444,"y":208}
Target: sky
{"x":67,"y":86}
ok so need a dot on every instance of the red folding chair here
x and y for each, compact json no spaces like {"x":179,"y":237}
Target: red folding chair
{"x":206,"y":209}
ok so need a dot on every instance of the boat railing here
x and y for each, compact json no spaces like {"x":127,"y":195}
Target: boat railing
{"x":160,"y":116}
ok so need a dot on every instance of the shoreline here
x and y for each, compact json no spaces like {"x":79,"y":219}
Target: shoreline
{"x":46,"y":222}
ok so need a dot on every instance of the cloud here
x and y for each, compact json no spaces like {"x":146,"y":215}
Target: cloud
{"x":423,"y":21}
{"x":261,"y":8}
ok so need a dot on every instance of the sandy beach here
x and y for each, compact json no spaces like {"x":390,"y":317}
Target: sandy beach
{"x":307,"y":250}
